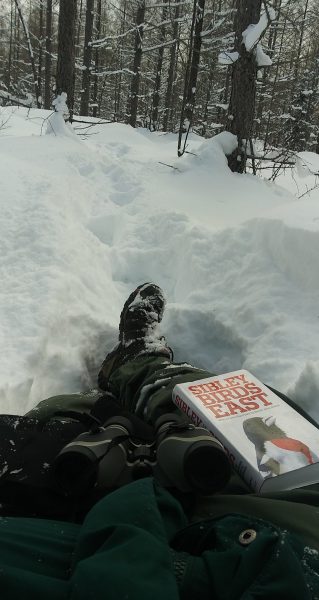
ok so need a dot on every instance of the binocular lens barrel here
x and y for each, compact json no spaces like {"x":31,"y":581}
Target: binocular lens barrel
{"x":206,"y":467}
{"x":190,"y":458}
{"x":76,"y":470}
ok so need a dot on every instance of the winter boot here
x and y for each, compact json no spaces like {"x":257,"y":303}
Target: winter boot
{"x":138,"y":335}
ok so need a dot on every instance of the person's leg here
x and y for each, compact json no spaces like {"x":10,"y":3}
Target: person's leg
{"x":81,"y":402}
{"x":144,"y":385}
{"x":139,"y":371}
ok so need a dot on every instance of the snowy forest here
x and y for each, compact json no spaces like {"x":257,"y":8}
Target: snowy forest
{"x":187,"y":156}
{"x":250,"y":67}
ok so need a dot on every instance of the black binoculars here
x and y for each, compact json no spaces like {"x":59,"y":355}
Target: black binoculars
{"x":178,"y":454}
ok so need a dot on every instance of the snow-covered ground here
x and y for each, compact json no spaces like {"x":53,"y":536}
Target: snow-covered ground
{"x":83,"y":221}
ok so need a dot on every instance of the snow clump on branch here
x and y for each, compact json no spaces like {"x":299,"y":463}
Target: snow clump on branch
{"x":254,"y":32}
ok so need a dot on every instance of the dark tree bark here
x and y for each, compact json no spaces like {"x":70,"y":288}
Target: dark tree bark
{"x":97,"y":58}
{"x":171,"y":70}
{"x":16,"y":46}
{"x":78,"y":23}
{"x":191,"y":74}
{"x":87,"y":58}
{"x":40,"y":60}
{"x":31,"y":55}
{"x":48,"y":57}
{"x":243,"y":95}
{"x":66,"y":53}
{"x":118,"y":113}
{"x":8,"y":73}
{"x":138,"y":51}
{"x":158,"y":76}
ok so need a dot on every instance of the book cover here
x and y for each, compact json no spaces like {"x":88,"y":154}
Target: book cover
{"x":271,"y":446}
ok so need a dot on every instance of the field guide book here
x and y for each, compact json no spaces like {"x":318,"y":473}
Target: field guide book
{"x":271,"y":446}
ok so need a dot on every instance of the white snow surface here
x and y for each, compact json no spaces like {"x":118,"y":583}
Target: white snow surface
{"x":83,"y":221}
{"x":253,"y":33}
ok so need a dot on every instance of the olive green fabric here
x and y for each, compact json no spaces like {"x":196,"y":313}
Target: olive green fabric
{"x":137,"y":543}
{"x":133,"y":384}
{"x":81,"y":402}
{"x":145,"y":385}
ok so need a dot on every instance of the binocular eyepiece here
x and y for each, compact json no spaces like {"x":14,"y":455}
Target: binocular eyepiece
{"x":178,"y":454}
{"x":189,"y":458}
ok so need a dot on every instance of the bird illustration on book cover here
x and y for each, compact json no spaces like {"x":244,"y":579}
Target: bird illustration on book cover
{"x":276,"y":452}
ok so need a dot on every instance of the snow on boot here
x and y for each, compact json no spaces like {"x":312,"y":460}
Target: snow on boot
{"x":138,"y":335}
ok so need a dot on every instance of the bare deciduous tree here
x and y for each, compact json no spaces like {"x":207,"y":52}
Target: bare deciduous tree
{"x":138,"y":50}
{"x":191,"y":74}
{"x":243,"y":95}
{"x":87,"y":58}
{"x":31,"y":54}
{"x":48,"y":57}
{"x":65,"y":67}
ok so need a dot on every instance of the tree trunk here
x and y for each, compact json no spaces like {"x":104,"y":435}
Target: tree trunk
{"x":191,"y":74}
{"x":79,"y":23}
{"x":96,"y":58}
{"x":87,"y":58}
{"x":137,"y":63}
{"x":31,"y":55}
{"x":171,"y":70}
{"x":48,"y":57}
{"x":40,"y":61}
{"x":8,"y":74}
{"x":16,"y":47}
{"x":243,"y":94}
{"x":66,"y":52}
{"x":118,"y":113}
{"x":158,"y":76}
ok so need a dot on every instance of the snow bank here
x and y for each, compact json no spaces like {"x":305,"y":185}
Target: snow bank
{"x":83,"y":222}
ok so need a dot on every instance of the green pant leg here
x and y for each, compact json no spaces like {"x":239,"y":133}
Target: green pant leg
{"x":145,"y":385}
{"x":81,"y":402}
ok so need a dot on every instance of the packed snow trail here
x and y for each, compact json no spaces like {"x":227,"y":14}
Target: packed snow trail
{"x":84,"y":221}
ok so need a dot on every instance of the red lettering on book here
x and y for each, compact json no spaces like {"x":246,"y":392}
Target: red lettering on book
{"x":252,"y":388}
{"x":206,"y":399}
{"x":242,"y":378}
{"x":217,"y":410}
{"x":249,"y":404}
{"x":226,"y":394}
{"x":239,"y":392}
{"x":231,"y":381}
{"x":234,"y":408}
{"x":263,"y":398}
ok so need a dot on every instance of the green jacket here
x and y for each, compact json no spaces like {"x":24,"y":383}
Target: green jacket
{"x":137,"y":544}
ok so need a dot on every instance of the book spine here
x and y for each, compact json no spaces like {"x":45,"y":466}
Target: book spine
{"x":244,"y":469}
